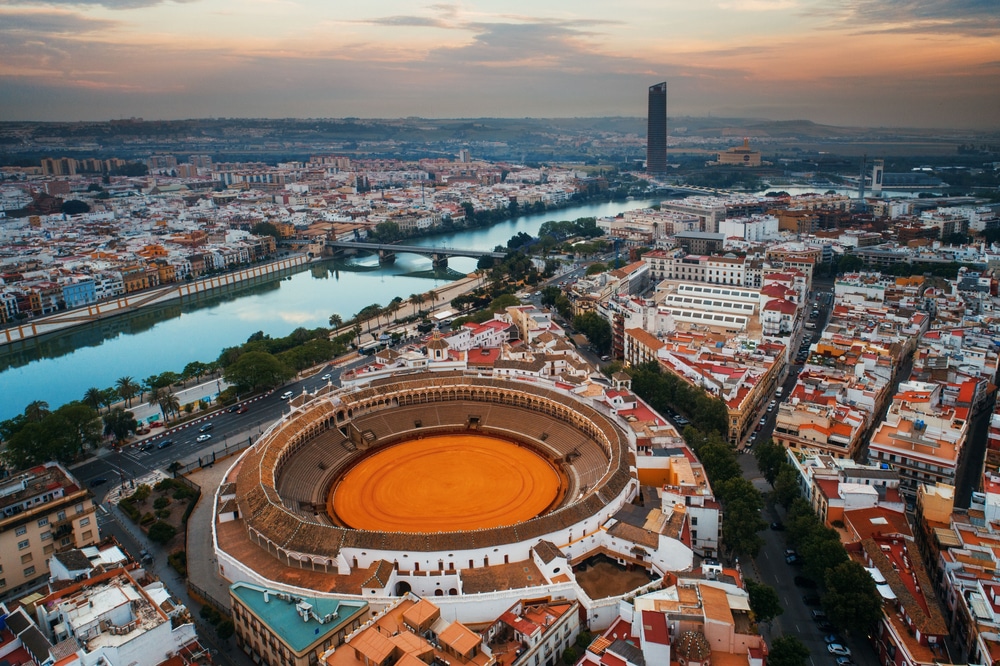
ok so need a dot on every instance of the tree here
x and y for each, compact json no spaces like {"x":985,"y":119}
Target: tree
{"x":763,"y":601}
{"x":786,"y":486}
{"x":569,"y":656}
{"x":822,"y":551}
{"x":852,"y":600}
{"x":742,"y":503}
{"x":266,"y":229}
{"x":169,"y":403}
{"x":770,"y":457}
{"x":36,"y":411}
{"x":194,"y":370}
{"x":225,"y":629}
{"x":787,"y":651}
{"x":127,"y":389}
{"x":596,"y":328}
{"x":94,"y":397}
{"x":120,"y":424}
{"x":161,"y":532}
{"x":415,"y":300}
{"x":75,"y":207}
{"x":78,"y":426}
{"x":336,"y":321}
{"x":255,"y":371}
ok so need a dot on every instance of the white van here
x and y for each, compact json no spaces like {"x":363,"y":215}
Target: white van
{"x":810,"y":325}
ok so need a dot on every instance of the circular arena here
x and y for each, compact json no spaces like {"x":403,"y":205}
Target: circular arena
{"x":431,"y":471}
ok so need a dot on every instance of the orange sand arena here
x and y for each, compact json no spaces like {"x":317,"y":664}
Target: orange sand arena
{"x":445,"y":483}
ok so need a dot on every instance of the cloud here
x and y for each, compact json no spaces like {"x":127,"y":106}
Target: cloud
{"x":933,"y":17}
{"x":409,"y":21}
{"x":109,"y":4}
{"x":50,"y":22}
{"x":758,"y":5}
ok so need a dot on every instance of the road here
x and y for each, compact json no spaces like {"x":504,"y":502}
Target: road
{"x":770,"y":568}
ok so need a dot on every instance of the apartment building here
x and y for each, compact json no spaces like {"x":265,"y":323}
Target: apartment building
{"x":921,"y":437}
{"x":541,"y":628}
{"x":274,"y":627}
{"x":44,"y":511}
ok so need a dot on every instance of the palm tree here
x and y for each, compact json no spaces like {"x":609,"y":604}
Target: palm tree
{"x":432,"y":296}
{"x":336,"y":321}
{"x":36,"y":411}
{"x":127,"y":389}
{"x":94,"y":397}
{"x":415,"y":300}
{"x":168,"y":402}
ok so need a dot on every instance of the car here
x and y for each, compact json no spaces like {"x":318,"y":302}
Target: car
{"x":203,"y":438}
{"x":838,"y":650}
{"x":763,"y":420}
{"x":165,"y":443}
{"x":287,"y":395}
{"x":777,"y":526}
{"x":811,"y":599}
{"x":793,"y":560}
{"x":144,"y":446}
{"x":824,"y":625}
{"x":234,"y":408}
{"x":605,"y":358}
{"x":243,"y":409}
{"x":805,"y":582}
{"x":832,"y":638}
{"x":100,"y":481}
{"x":819,"y":616}
{"x":790,"y":551}
{"x":206,"y":427}
{"x":845,"y":661}
{"x":326,"y":376}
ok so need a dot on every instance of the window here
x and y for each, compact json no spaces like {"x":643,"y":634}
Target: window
{"x":65,"y":541}
{"x":21,"y":545}
{"x":27,"y":557}
{"x":30,"y":571}
{"x":3,"y":582}
{"x":46,"y":536}
{"x":42,"y":522}
{"x":88,"y":535}
{"x":84,"y":522}
{"x":61,"y":515}
{"x":79,"y":508}
{"x":21,"y":530}
{"x":48,"y":549}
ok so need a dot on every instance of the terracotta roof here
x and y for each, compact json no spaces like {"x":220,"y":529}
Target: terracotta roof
{"x":547,"y":551}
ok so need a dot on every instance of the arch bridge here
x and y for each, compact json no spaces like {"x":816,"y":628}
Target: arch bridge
{"x":387,"y":251}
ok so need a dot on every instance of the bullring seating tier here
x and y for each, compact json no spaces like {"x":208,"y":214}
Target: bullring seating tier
{"x":445,"y":400}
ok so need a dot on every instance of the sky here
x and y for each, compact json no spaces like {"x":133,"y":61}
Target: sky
{"x":871,"y":63}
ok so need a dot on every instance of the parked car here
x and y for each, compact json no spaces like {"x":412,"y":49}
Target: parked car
{"x":203,"y":438}
{"x":825,"y":625}
{"x":832,"y":638}
{"x":793,"y":559}
{"x":242,"y":409}
{"x":811,"y":599}
{"x":100,"y":481}
{"x":777,"y":526}
{"x":818,"y":615}
{"x":805,"y":581}
{"x":838,"y":650}
{"x":845,"y":661}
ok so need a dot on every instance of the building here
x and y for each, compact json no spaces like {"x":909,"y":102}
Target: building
{"x":44,"y":511}
{"x":113,"y":619}
{"x":656,"y":129}
{"x":279,"y":628}
{"x":543,"y":628}
{"x":740,"y":156}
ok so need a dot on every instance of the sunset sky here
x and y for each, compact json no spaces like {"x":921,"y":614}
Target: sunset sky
{"x":916,"y":63}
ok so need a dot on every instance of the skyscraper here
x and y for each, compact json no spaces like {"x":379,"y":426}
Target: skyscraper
{"x":656,"y":129}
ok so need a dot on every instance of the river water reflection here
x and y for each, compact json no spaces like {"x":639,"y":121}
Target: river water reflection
{"x":60,"y":368}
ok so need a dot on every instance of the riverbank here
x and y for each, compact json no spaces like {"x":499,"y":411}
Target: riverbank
{"x":88,"y":314}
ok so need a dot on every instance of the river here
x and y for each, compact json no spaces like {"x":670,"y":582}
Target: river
{"x":61,"y":367}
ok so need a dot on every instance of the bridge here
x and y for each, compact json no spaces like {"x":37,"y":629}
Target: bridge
{"x":387,"y":251}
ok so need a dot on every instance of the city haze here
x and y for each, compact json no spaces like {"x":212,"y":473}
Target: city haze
{"x":858,"y":63}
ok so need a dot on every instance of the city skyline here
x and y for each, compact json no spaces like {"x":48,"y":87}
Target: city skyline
{"x":917,"y":63}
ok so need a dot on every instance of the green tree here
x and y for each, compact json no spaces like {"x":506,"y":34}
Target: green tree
{"x":75,"y":207}
{"x":786,"y":486}
{"x":742,"y":503}
{"x":195,"y":370}
{"x":225,"y":629}
{"x":161,"y":532}
{"x":569,"y":656}
{"x":822,"y":550}
{"x":266,"y":229}
{"x":120,"y":424}
{"x":78,"y":428}
{"x":36,"y":411}
{"x":416,"y":300}
{"x":255,"y":371}
{"x":336,"y":321}
{"x":769,"y":457}
{"x":94,"y":397}
{"x":851,"y":601}
{"x":127,"y":388}
{"x":596,"y":267}
{"x":763,"y":601}
{"x":596,"y":328}
{"x":787,"y":651}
